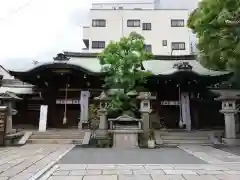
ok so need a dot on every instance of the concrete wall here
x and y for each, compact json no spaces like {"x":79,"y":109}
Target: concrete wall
{"x":116,"y":27}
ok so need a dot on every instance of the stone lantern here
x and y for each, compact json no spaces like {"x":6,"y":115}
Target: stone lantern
{"x":145,"y":108}
{"x":229,"y":109}
{"x":103,"y":98}
{"x":8,"y":98}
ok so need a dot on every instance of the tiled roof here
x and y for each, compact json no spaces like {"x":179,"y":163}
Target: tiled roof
{"x":157,"y":67}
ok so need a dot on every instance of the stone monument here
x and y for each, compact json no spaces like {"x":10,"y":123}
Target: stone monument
{"x":125,"y":131}
{"x":229,"y":109}
{"x":8,"y":99}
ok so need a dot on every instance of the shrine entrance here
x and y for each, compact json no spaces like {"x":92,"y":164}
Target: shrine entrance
{"x":60,"y":86}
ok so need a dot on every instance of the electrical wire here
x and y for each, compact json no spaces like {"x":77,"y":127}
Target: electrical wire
{"x":17,"y":10}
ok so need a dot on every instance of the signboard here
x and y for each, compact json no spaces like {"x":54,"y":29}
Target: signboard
{"x":84,"y":105}
{"x":3,"y":120}
{"x":68,"y":101}
{"x":43,"y":118}
{"x":170,"y":103}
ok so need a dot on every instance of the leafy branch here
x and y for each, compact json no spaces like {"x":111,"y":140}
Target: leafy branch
{"x":122,"y":63}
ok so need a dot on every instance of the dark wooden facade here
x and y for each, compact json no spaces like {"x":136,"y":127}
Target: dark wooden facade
{"x":51,"y":82}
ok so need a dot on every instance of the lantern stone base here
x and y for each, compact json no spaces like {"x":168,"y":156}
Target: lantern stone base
{"x":231,"y":142}
{"x":12,"y":131}
{"x":101,"y":134}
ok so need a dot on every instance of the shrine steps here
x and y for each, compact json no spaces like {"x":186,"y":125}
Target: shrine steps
{"x":171,"y":138}
{"x":57,"y":137}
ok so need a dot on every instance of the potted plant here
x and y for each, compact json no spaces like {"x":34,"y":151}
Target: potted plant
{"x":151,"y":140}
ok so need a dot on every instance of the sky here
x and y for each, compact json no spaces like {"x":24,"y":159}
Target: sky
{"x":36,"y":30}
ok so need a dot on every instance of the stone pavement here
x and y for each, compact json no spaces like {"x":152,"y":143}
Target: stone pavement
{"x":30,"y":161}
{"x":80,"y":155}
{"x":222,"y":166}
{"x":211,"y":155}
{"x":143,"y":172}
{"x":27,"y":162}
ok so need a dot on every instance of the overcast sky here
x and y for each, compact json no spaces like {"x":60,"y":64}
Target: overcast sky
{"x":39,"y":29}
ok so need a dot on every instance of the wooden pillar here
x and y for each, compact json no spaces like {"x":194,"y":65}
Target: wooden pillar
{"x":194,"y":110}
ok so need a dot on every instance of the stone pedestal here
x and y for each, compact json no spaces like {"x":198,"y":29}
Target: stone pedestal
{"x":230,"y":128}
{"x":125,"y":131}
{"x":125,"y":139}
{"x":9,"y":117}
{"x":146,"y":120}
{"x":229,"y":109}
{"x":9,"y":98}
{"x":231,"y":142}
{"x":103,"y":124}
{"x":230,"y":125}
{"x":145,"y":109}
{"x":103,"y":98}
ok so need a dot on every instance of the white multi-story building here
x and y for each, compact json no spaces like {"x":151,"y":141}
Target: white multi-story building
{"x":164,"y":30}
{"x":126,"y":4}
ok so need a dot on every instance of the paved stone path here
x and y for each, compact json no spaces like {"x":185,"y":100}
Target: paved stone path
{"x":80,"y":155}
{"x":222,"y":166}
{"x":27,"y":162}
{"x":144,"y":172}
{"x":211,"y":155}
{"x":30,"y":161}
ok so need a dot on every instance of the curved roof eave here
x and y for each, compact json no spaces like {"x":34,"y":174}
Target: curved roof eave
{"x":223,"y":76}
{"x":166,"y":68}
{"x":86,"y":67}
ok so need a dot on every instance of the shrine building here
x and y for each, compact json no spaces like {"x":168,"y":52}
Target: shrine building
{"x":180,"y":84}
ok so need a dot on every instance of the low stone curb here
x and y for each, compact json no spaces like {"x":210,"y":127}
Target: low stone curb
{"x":46,"y":175}
{"x":40,"y":174}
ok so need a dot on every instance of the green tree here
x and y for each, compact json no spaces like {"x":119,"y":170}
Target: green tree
{"x":122,"y":62}
{"x":216,"y":24}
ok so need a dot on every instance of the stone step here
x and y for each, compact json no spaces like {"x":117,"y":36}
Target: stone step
{"x":58,"y":133}
{"x":176,"y":145}
{"x":40,"y":136}
{"x":175,"y":141}
{"x":185,"y":137}
{"x":55,"y":141}
{"x":185,"y":134}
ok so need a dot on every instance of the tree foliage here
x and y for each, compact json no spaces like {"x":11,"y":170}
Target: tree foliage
{"x":122,"y":62}
{"x":216,"y":24}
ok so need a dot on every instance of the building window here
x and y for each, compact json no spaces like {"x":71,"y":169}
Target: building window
{"x":133,"y":23}
{"x":98,"y":23}
{"x":177,"y":22}
{"x":146,"y":26}
{"x":148,"y":47}
{"x":86,"y":43}
{"x":98,"y":44}
{"x":164,"y":42}
{"x":178,"y":45}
